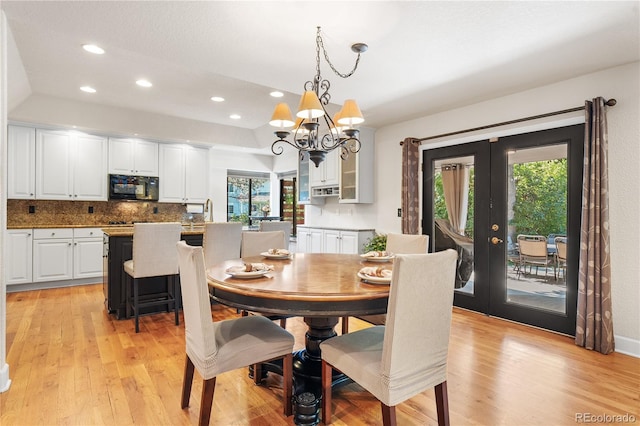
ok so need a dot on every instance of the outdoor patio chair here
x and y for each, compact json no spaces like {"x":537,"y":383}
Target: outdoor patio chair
{"x":561,"y":256}
{"x":533,"y":252}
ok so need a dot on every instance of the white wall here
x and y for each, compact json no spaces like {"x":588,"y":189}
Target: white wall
{"x":621,"y":83}
{"x":5,"y":381}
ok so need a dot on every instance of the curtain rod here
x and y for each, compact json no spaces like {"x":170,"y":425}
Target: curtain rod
{"x":610,"y":102}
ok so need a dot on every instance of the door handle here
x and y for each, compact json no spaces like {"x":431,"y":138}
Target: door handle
{"x":496,"y":240}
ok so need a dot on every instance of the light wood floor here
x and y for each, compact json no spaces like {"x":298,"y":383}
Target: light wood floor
{"x":71,"y":363}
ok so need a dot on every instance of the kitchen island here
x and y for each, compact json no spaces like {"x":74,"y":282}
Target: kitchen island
{"x":118,"y":248}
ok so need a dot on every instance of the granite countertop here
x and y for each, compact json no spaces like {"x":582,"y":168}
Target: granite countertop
{"x":115,"y":230}
{"x":337,"y":227}
{"x":127,"y":230}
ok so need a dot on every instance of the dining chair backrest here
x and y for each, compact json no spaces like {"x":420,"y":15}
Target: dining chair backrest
{"x":561,"y":247}
{"x":221,"y":242}
{"x":420,"y":304}
{"x":285,"y":226}
{"x":154,"y":249}
{"x":200,"y":342}
{"x":532,"y":245}
{"x":407,"y":243}
{"x":254,"y":243}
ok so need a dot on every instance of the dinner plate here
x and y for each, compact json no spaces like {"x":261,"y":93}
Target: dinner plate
{"x":275,"y":256}
{"x":377,"y":259}
{"x":245,"y":274}
{"x":374,"y":280}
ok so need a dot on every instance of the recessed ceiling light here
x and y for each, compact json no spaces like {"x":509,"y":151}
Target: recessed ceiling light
{"x":93,"y":49}
{"x":276,"y":94}
{"x":235,"y":117}
{"x":217,"y":99}
{"x":88,"y":89}
{"x":144,"y":83}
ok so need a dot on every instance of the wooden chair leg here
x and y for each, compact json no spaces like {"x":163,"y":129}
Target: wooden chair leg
{"x":287,"y":384}
{"x":388,"y":415}
{"x":345,"y":325}
{"x":208,"y":387}
{"x":186,"y":382}
{"x":257,"y":373}
{"x":442,"y":404}
{"x":283,"y":323}
{"x":327,"y":372}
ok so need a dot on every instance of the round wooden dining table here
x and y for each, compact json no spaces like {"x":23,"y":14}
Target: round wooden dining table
{"x":319,"y":287}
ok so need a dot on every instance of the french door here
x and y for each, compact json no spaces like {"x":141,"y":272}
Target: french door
{"x":480,"y":197}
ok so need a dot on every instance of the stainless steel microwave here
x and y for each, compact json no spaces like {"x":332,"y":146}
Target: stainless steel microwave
{"x":140,"y":188}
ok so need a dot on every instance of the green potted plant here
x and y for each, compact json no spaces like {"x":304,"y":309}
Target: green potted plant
{"x":376,"y":243}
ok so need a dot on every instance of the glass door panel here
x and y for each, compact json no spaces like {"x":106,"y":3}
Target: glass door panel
{"x":536,"y":212}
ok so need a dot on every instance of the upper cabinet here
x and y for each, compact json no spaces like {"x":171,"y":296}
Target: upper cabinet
{"x":304,"y":183}
{"x":351,"y":179}
{"x":326,"y":174}
{"x":133,"y":157}
{"x":356,"y":172}
{"x":184,"y":174}
{"x":70,"y":166}
{"x":21,"y":162}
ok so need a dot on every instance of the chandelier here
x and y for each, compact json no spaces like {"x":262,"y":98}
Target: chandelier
{"x":314,"y":131}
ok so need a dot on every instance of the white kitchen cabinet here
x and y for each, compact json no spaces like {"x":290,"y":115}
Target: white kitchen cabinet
{"x":326,"y":174}
{"x":70,"y":166}
{"x":356,"y":172}
{"x":133,"y":157}
{"x":184,"y":174}
{"x":21,"y":162}
{"x":52,"y":254}
{"x":344,"y":242}
{"x":18,"y":256}
{"x":303,"y":182}
{"x":87,"y":253}
{"x":332,"y":240}
{"x":309,"y":240}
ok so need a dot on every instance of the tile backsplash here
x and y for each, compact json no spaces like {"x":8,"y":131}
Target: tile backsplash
{"x":77,"y":213}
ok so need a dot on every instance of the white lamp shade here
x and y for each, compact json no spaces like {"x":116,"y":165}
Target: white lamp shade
{"x":281,"y":116}
{"x":350,"y":114}
{"x":310,"y":106}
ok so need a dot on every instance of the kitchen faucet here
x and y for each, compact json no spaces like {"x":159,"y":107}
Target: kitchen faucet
{"x":208,"y":210}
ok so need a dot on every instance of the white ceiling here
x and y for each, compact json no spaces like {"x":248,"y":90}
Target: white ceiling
{"x":423,"y":57}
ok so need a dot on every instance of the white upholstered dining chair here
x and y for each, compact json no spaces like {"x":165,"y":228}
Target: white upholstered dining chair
{"x":396,"y":244}
{"x":409,"y":354}
{"x":217,"y":347}
{"x":154,"y":255}
{"x":284,"y":226}
{"x":254,"y":243}
{"x":221,"y":242}
{"x":407,"y":243}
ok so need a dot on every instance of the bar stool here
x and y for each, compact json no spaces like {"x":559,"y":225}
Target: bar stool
{"x":154,"y":255}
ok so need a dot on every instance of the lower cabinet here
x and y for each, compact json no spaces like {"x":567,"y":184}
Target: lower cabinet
{"x":52,"y":254}
{"x":327,"y":240}
{"x":18,"y":256}
{"x":87,"y":253}
{"x":309,"y":240}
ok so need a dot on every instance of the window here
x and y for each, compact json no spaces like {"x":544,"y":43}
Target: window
{"x":246,"y":196}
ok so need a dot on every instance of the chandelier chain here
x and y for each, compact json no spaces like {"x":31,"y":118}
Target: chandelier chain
{"x":319,"y":45}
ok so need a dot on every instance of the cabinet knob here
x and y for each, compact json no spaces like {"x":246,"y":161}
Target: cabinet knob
{"x":31,"y":194}
{"x":70,"y":195}
{"x":53,"y":233}
{"x":69,"y":244}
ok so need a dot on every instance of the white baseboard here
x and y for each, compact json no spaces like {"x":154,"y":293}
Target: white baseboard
{"x":5,"y":382}
{"x":627,"y":346}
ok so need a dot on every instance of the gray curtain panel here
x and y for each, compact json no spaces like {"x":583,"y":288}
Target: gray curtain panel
{"x":594,"y":325}
{"x":410,"y":186}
